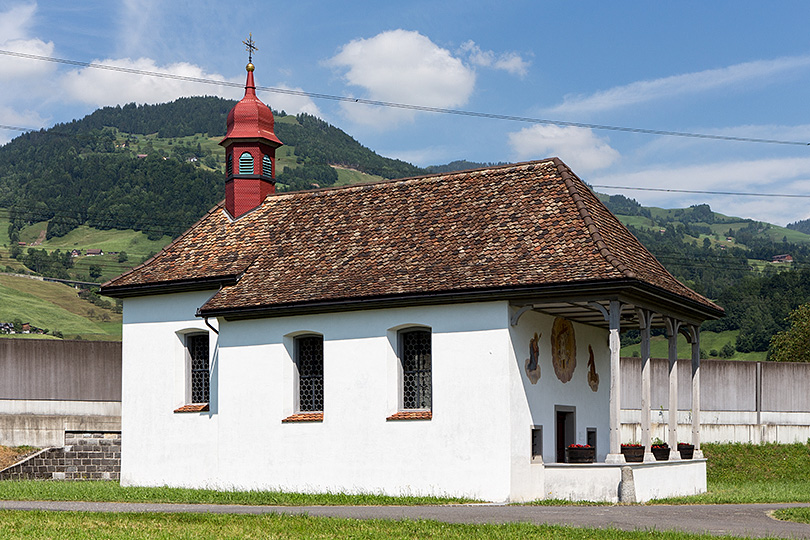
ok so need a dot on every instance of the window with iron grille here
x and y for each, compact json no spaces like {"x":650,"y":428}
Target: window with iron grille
{"x":267,"y":166}
{"x":197,"y":345}
{"x":246,"y":163}
{"x":414,"y":354}
{"x":309,"y":360}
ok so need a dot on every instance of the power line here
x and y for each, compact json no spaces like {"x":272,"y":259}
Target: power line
{"x":405,"y":106}
{"x":704,"y":192}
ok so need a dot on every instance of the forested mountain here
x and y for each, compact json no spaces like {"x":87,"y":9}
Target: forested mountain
{"x":801,"y":226}
{"x":129,"y":167}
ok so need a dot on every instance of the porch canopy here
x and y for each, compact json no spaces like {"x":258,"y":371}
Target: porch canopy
{"x":633,"y":305}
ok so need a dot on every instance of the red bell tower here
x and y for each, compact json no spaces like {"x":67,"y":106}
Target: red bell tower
{"x":250,"y":149}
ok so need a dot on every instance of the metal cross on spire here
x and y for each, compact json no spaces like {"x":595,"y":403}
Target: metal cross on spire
{"x":250,"y":47}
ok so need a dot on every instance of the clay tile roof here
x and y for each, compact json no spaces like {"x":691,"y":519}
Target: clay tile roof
{"x":515,"y":226}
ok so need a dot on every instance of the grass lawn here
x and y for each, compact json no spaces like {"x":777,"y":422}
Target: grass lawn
{"x":754,"y":473}
{"x":42,"y":525}
{"x":659,"y":346}
{"x":98,"y":491}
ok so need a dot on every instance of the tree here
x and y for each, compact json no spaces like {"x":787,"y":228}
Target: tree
{"x":95,"y":271}
{"x":122,"y":257}
{"x":793,"y":344}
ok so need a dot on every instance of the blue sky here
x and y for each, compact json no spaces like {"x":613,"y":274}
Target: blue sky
{"x":733,"y":68}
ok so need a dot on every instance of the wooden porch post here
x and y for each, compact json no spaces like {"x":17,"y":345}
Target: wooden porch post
{"x":673,"y":326}
{"x":644,"y":323}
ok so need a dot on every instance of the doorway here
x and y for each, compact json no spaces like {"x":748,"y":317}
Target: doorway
{"x":565,"y":429}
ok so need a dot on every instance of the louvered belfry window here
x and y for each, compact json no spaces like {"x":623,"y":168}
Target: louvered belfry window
{"x":415,"y":355}
{"x":267,"y":166}
{"x":229,"y":166}
{"x":246,"y":163}
{"x":198,"y":351}
{"x":309,"y":359}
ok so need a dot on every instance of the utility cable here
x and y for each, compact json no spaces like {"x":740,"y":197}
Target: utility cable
{"x":405,"y":106}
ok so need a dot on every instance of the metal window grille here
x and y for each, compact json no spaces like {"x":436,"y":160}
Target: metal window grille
{"x":267,"y":166}
{"x":414,"y":353}
{"x":198,"y":351}
{"x":246,"y":164}
{"x":309,"y":358}
{"x":229,"y":166}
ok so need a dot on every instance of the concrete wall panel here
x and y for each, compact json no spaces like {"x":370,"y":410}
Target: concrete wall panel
{"x":35,"y":369}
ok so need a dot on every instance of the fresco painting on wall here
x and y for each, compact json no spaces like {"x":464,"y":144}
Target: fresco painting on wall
{"x":533,"y":361}
{"x":563,"y":349}
{"x":593,"y":377}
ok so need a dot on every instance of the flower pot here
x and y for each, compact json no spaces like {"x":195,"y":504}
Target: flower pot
{"x":633,"y":454}
{"x":580,"y":455}
{"x":687,"y":451}
{"x":661,"y":453}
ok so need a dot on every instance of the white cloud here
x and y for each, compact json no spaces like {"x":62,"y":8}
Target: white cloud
{"x":404,"y":67}
{"x":688,"y":83}
{"x":14,"y":26}
{"x":100,"y":87}
{"x":14,"y":117}
{"x":15,"y":22}
{"x":511,"y":62}
{"x":138,"y":22}
{"x":290,"y":103}
{"x":578,"y":147}
{"x":774,"y":176}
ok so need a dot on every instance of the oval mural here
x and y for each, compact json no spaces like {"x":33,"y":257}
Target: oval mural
{"x":563,"y":349}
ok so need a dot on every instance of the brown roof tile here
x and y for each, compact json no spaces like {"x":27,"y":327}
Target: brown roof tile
{"x":523,"y":225}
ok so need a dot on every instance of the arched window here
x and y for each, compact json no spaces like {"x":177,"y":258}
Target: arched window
{"x":309,"y":362}
{"x":246,"y":163}
{"x":415,"y":357}
{"x":267,"y":166}
{"x":229,"y":166}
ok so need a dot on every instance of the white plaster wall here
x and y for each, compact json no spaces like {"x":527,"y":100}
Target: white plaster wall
{"x":601,"y":482}
{"x":538,"y":400}
{"x":158,"y":446}
{"x":242,"y":443}
{"x":673,"y":479}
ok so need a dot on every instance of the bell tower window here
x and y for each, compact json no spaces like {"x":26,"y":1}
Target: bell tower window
{"x":229,"y":166}
{"x":267,"y":166}
{"x":246,"y":163}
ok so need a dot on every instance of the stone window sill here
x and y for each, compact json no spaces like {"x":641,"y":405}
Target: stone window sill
{"x":304,"y":417}
{"x":411,"y":415}
{"x":192,"y":408}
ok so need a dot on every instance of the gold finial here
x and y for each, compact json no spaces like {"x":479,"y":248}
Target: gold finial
{"x":250,"y":47}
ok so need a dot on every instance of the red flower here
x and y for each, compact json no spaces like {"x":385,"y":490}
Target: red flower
{"x":579,"y":446}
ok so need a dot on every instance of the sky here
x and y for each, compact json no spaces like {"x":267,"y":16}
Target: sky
{"x":731,"y":68}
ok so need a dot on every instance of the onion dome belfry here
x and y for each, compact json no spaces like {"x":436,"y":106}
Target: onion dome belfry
{"x":250,"y":150}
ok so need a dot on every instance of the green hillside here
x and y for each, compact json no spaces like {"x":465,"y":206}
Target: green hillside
{"x":56,"y":307}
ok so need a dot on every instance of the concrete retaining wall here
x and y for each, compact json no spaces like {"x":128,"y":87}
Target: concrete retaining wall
{"x":740,"y":401}
{"x":48,"y":387}
{"x":38,"y":369}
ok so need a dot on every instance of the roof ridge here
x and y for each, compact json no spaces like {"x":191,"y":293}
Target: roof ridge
{"x":386,"y":181}
{"x":569,"y":179}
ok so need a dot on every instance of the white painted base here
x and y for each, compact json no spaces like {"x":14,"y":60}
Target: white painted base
{"x":601,"y":481}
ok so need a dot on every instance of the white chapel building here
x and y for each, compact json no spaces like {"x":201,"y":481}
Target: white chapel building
{"x":447,"y":334}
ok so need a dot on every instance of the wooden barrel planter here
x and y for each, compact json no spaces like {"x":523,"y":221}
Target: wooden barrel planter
{"x":687,"y":451}
{"x":661,"y":452}
{"x":633,"y":453}
{"x":580,"y":454}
